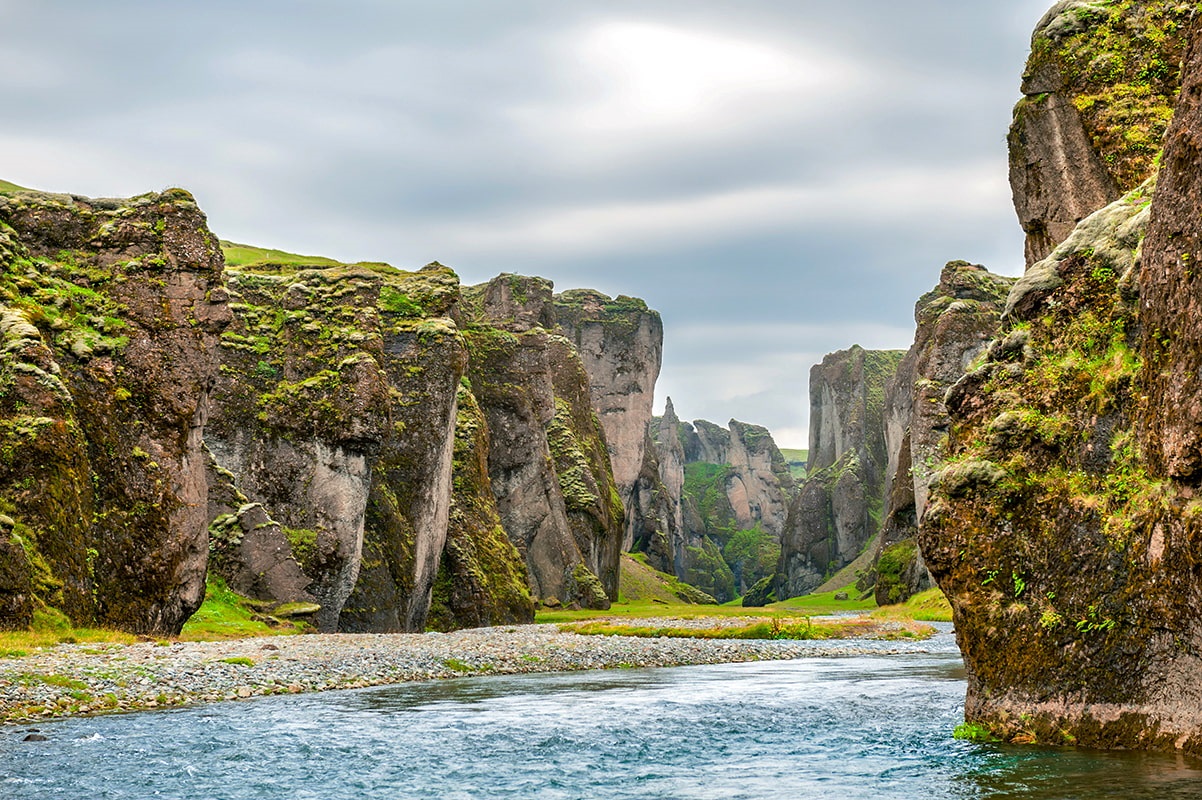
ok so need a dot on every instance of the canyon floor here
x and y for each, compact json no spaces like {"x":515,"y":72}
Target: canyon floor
{"x":107,"y":677}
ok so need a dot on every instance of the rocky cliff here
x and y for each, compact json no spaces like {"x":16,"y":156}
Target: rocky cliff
{"x":548,"y":461}
{"x":620,"y":342}
{"x":1098,"y":94}
{"x":109,"y":312}
{"x":1064,"y":527}
{"x":839,"y":507}
{"x":955,"y":322}
{"x":384,"y":447}
{"x":728,"y":495}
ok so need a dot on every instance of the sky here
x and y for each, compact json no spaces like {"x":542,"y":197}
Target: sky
{"x":778,"y":178}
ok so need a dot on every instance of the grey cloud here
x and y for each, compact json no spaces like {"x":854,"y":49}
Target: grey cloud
{"x":410,"y":131}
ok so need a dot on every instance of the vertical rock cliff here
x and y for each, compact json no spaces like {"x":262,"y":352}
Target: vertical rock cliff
{"x":334,"y":410}
{"x":1063,"y":527}
{"x":955,"y":322}
{"x":839,"y":506}
{"x":1098,"y":94}
{"x":548,"y":463}
{"x":620,"y":342}
{"x":109,"y":311}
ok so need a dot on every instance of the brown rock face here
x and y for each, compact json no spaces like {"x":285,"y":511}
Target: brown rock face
{"x":955,"y":322}
{"x":110,"y":314}
{"x":548,"y":463}
{"x":1170,"y":310}
{"x":1098,"y":94}
{"x":620,"y":342}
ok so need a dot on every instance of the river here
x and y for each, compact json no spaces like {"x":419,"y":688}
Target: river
{"x":862,"y":727}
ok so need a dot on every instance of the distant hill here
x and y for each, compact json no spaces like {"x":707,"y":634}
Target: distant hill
{"x":797,"y":461}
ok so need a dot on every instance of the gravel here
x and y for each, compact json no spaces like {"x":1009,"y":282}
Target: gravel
{"x":80,"y":679}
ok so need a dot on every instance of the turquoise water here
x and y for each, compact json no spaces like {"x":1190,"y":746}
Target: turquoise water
{"x":867,"y":727}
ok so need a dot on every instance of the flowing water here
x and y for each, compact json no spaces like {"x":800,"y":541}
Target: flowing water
{"x":864,"y":727}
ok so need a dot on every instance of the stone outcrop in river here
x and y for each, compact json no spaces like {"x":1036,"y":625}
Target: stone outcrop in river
{"x":1064,"y":526}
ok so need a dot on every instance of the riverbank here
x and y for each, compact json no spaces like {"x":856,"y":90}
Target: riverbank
{"x":80,"y":679}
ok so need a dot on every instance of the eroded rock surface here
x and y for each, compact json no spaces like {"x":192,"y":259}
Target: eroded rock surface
{"x":1098,"y":95}
{"x":109,"y":312}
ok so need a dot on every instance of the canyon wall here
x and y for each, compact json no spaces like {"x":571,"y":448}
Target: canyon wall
{"x":839,"y":506}
{"x":1063,"y":526}
{"x":109,"y":313}
{"x":375,"y":448}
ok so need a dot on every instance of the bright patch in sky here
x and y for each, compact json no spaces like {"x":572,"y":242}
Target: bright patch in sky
{"x":654,"y":74}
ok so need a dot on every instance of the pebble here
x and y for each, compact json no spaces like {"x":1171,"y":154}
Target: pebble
{"x":90,"y":678}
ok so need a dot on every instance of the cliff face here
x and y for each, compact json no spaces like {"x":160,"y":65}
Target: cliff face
{"x":379,"y":442}
{"x":548,"y":463}
{"x":109,"y":311}
{"x":1064,"y":527}
{"x":620,"y":342}
{"x":1098,"y":94}
{"x":728,"y":493}
{"x":334,"y":411}
{"x":839,"y":507}
{"x":955,"y":322}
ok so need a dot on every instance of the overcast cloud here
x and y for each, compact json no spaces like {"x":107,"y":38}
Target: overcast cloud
{"x":779,"y":179}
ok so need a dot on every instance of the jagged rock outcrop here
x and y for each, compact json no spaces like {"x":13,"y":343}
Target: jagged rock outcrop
{"x":620,"y":342}
{"x":729,"y":493}
{"x":109,"y":311}
{"x":548,"y":463}
{"x":1098,"y":94}
{"x":838,"y":508}
{"x":658,"y":514}
{"x":955,"y":322}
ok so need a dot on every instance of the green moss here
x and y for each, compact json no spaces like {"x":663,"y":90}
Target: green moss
{"x":304,"y":547}
{"x":589,"y":588}
{"x":1122,"y":72}
{"x":891,"y":568}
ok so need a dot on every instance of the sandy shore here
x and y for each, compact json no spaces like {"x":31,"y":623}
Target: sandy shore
{"x":80,"y":679}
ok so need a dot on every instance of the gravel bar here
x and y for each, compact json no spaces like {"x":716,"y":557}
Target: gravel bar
{"x":81,"y":679}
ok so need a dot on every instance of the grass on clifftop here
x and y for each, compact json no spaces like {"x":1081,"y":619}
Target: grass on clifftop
{"x":246,"y":255}
{"x":6,"y":187}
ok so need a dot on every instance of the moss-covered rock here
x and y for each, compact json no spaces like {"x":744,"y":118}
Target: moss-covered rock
{"x":108,"y":311}
{"x":1065,"y":552}
{"x":1099,"y":91}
